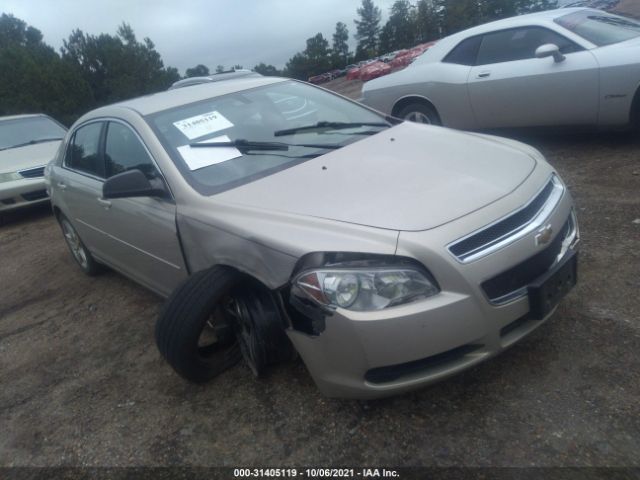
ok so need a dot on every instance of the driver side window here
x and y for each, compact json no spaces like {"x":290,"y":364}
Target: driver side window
{"x":520,"y":44}
{"x":124,"y":151}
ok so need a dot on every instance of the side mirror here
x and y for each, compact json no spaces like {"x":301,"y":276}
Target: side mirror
{"x":550,"y":50}
{"x":131,"y":183}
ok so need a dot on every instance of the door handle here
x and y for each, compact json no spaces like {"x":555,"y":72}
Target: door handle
{"x":62,"y":186}
{"x":105,"y":203}
{"x":484,"y":74}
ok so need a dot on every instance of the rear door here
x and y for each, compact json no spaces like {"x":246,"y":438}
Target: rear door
{"x":79,"y":184}
{"x":510,"y":87}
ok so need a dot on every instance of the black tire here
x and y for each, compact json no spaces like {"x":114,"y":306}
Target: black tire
{"x":181,"y":324}
{"x":78,"y":250}
{"x":635,"y":112}
{"x":420,"y":112}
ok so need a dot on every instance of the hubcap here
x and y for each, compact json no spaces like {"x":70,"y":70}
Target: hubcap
{"x":75,"y":245}
{"x":417,"y":117}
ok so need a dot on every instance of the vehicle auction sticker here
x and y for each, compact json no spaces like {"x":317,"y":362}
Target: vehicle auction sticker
{"x":204,"y":124}
{"x":201,"y":157}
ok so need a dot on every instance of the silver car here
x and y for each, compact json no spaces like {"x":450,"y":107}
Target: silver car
{"x":387,"y":254}
{"x":27,"y":144}
{"x":572,"y":67}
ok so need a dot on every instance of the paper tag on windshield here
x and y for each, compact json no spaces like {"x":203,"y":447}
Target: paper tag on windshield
{"x":201,"y":125}
{"x":200,"y":157}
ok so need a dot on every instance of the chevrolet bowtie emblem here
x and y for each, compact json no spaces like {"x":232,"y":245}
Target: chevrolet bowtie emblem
{"x":544,"y":235}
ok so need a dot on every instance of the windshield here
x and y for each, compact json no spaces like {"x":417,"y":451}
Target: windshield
{"x":23,"y":131}
{"x":600,"y":28}
{"x":293,"y":110}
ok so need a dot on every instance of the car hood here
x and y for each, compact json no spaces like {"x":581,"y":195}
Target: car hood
{"x":29,"y":156}
{"x":409,"y":177}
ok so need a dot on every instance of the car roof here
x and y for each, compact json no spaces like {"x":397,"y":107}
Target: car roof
{"x":25,"y":115}
{"x":150,"y":104}
{"x":216,"y":77}
{"x":444,"y":46}
{"x":537,"y":18}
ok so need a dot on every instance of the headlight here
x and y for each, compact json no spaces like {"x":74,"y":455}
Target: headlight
{"x":9,"y":177}
{"x":366,"y":290}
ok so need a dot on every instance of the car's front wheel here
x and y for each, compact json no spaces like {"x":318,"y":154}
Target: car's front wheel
{"x":420,"y":113}
{"x":78,"y":250}
{"x":214,"y":319}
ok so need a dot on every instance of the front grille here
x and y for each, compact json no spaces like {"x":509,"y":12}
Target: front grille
{"x":32,"y":172}
{"x":37,"y":195}
{"x":503,"y":229}
{"x":422,"y":366}
{"x":517,"y":278}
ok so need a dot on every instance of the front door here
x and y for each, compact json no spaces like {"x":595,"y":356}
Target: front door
{"x":510,"y":87}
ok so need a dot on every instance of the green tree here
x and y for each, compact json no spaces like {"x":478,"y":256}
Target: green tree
{"x":426,"y":22}
{"x":197,"y":71}
{"x":340,"y":47}
{"x":117,"y":67}
{"x":267,"y":70}
{"x":367,"y":30}
{"x":33,"y":77}
{"x":220,"y":69}
{"x":400,"y":30}
{"x":457,"y":15}
{"x":315,"y":59}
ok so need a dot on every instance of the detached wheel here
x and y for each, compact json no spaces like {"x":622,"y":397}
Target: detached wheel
{"x":213,"y":320}
{"x":420,"y":113}
{"x":80,"y":253}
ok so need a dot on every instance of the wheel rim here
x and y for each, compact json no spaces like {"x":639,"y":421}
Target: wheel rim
{"x":75,"y":245}
{"x":238,"y":312}
{"x":217,"y":337}
{"x":417,"y":117}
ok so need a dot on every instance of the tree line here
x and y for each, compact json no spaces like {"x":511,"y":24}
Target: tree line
{"x":95,"y":70}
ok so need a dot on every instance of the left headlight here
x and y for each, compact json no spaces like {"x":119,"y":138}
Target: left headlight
{"x":9,"y":177}
{"x":366,"y":289}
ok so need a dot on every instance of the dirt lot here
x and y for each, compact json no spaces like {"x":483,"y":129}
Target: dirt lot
{"x":83,"y":384}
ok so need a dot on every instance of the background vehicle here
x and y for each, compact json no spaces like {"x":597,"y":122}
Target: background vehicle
{"x":346,"y":237}
{"x":216,"y":77}
{"x":27,"y":144}
{"x":561,"y":67}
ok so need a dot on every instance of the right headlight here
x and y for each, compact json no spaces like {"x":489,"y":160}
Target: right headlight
{"x":366,"y":289}
{"x":9,"y":177}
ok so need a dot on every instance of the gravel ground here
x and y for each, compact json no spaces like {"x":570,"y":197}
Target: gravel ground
{"x":82,"y":383}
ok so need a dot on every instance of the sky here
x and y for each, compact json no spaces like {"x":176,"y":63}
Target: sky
{"x":190,"y":32}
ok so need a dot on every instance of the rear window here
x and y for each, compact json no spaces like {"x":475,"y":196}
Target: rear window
{"x":465,"y":53}
{"x":600,"y":28}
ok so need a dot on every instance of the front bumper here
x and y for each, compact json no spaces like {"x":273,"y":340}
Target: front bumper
{"x":375,"y":354}
{"x":22,"y":193}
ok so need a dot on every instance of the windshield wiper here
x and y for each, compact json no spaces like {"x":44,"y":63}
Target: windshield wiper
{"x":246,"y":145}
{"x":32,"y":142}
{"x":323,"y":126}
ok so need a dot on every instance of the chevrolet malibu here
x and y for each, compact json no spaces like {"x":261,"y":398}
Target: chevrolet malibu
{"x":27,"y":144}
{"x":387,"y":255}
{"x":572,"y":67}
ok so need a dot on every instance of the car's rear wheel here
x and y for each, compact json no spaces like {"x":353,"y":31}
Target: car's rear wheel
{"x":420,"y":112}
{"x":635,"y":112}
{"x":214,"y":319}
{"x":78,"y":250}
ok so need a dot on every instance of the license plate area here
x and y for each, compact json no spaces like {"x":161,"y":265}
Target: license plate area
{"x":548,"y":290}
